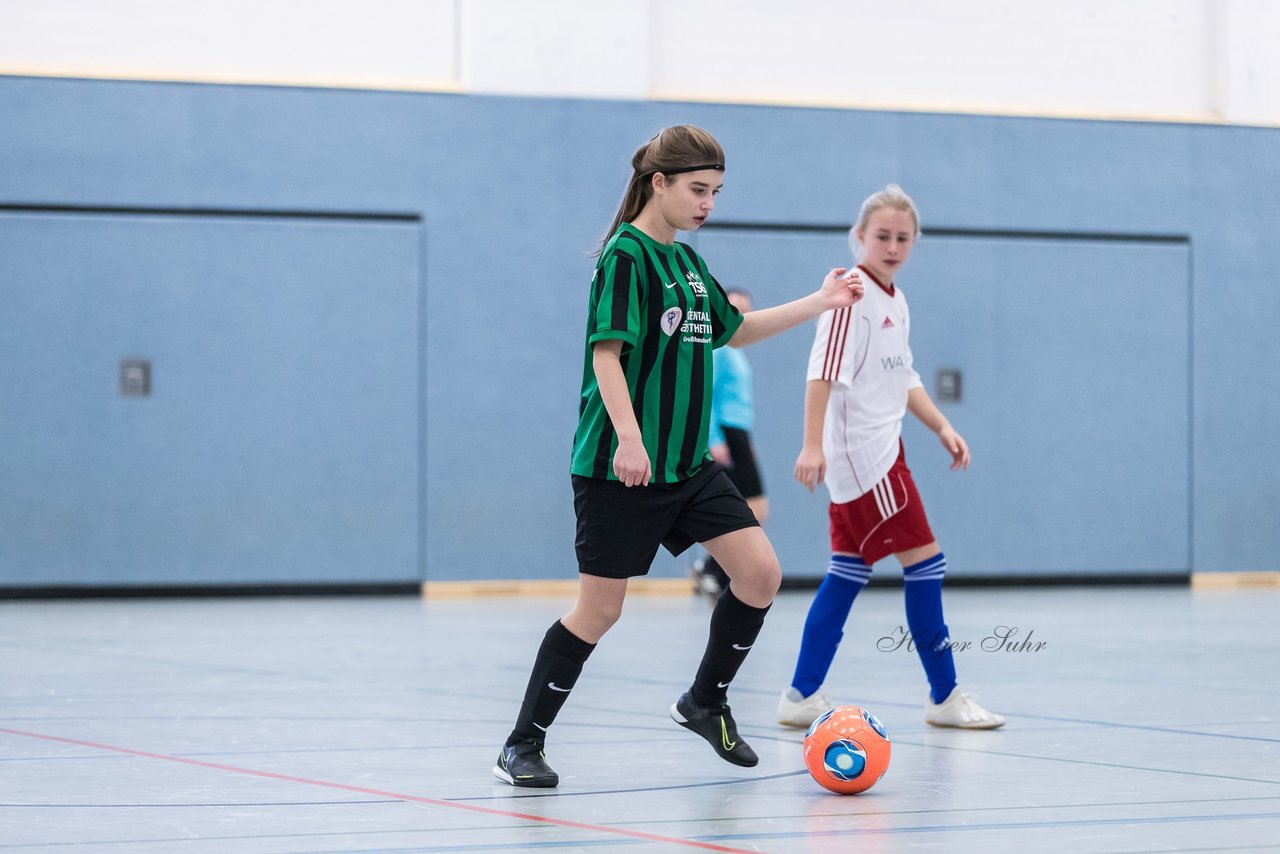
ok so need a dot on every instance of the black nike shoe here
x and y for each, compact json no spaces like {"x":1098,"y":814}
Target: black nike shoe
{"x":715,"y":724}
{"x":524,"y":764}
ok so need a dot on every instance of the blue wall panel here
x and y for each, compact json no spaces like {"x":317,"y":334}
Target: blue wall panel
{"x":281,"y":436}
{"x":1236,"y":208}
{"x":1075,"y":363}
{"x":1076,"y":402}
{"x":512,"y":195}
{"x":1049,"y":174}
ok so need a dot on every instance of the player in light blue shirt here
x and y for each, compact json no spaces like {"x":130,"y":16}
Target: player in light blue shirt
{"x":732,"y":416}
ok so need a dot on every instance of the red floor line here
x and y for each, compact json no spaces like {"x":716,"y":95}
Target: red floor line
{"x":637,"y":834}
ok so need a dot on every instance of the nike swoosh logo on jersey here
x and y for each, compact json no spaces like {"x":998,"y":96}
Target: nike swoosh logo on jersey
{"x":672,"y":285}
{"x":538,"y":725}
{"x":554,"y":687}
{"x":748,"y":646}
{"x":722,"y":684}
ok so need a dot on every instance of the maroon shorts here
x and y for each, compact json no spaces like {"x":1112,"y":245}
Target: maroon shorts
{"x":887,"y":520}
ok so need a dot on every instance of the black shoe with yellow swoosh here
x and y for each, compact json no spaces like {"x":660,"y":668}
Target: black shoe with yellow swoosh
{"x":715,"y":724}
{"x":524,"y":764}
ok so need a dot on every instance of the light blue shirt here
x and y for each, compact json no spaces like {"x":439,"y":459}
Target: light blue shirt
{"x":731,"y":402}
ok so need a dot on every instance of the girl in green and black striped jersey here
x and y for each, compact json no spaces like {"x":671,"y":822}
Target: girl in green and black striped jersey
{"x":641,"y":472}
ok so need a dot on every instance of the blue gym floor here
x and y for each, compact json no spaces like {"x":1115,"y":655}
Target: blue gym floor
{"x":1146,"y":721}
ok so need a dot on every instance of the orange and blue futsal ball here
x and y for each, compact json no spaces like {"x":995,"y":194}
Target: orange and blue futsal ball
{"x":847,"y":750}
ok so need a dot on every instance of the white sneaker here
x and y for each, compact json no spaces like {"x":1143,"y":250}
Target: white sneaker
{"x":961,"y":710}
{"x":798,"y":711}
{"x":704,"y":582}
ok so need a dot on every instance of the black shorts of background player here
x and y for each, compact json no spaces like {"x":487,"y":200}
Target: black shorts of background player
{"x":732,"y":418}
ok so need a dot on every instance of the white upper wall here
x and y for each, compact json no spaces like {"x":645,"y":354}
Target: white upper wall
{"x":349,"y":43}
{"x":1246,"y":73}
{"x":1098,"y":57}
{"x":1194,"y":60}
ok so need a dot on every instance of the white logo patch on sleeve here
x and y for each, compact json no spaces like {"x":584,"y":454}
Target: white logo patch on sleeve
{"x":671,"y":320}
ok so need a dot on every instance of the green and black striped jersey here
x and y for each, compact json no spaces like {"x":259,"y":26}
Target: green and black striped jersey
{"x":670,"y":313}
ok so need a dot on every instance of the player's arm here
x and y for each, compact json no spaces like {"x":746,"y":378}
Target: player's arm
{"x":811,"y":465}
{"x":923,"y":407}
{"x":840,"y":288}
{"x":631,"y":460}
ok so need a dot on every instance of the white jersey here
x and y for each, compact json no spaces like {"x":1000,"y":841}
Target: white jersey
{"x":863,"y":351}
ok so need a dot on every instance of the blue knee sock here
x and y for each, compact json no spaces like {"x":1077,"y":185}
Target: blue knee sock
{"x":824,"y":627}
{"x":922,"y":587}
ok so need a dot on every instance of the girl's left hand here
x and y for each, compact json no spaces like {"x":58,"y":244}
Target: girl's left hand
{"x":841,"y":288}
{"x":956,"y":447}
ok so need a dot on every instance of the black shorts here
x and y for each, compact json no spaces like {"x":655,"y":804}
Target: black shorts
{"x":742,"y":467}
{"x":621,"y":527}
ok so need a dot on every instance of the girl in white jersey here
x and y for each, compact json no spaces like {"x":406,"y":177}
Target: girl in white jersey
{"x":860,"y":384}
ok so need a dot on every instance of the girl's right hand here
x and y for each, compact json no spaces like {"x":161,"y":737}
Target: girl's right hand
{"x":811,"y":467}
{"x":631,"y":463}
{"x":841,"y":288}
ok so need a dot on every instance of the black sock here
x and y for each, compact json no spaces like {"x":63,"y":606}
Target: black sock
{"x":734,"y":627}
{"x":555,"y":670}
